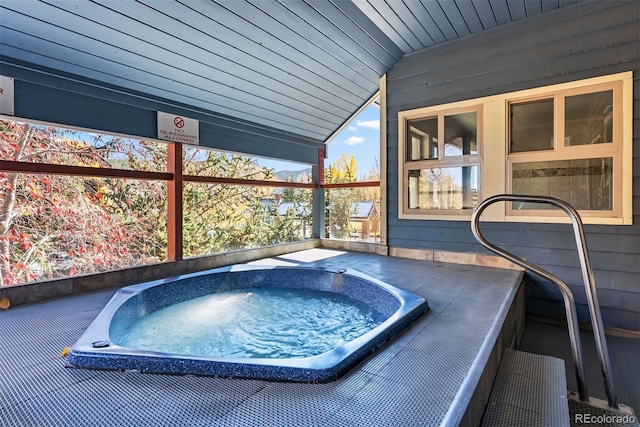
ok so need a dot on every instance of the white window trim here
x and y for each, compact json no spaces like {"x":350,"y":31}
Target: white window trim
{"x":494,"y":169}
{"x":441,"y":162}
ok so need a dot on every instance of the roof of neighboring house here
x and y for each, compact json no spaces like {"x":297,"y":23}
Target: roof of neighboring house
{"x":362,"y":210}
{"x":284,"y":207}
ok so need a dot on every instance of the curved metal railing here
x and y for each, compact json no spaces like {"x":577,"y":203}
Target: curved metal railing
{"x":567,"y":295}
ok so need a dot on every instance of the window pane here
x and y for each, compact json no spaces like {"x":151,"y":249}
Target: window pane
{"x":422,"y":139}
{"x":586,"y":184}
{"x":353,"y":213}
{"x":531,"y":126}
{"x":461,"y":134}
{"x":32,"y":143}
{"x":443,"y":188}
{"x":222,"y":218}
{"x":66,"y":225}
{"x":204,"y":162}
{"x":356,"y":149}
{"x":588,"y":118}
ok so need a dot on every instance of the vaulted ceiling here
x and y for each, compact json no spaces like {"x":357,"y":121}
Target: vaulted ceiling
{"x":301,"y":67}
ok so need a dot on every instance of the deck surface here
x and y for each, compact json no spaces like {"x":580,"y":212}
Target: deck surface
{"x":424,"y":376}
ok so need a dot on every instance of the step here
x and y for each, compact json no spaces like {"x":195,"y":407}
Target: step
{"x":530,"y":390}
{"x":597,"y":412}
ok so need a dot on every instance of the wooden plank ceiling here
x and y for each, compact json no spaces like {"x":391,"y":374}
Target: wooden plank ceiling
{"x":301,"y":67}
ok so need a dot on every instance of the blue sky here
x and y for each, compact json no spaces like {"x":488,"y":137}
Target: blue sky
{"x":361,"y":138}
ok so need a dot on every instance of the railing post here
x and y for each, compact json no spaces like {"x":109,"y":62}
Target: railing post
{"x":317,"y":215}
{"x":594,"y":306}
{"x":174,"y":202}
{"x":589,"y":283}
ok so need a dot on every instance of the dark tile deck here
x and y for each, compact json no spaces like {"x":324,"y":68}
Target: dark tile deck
{"x":423,"y":377}
{"x":624,"y":353}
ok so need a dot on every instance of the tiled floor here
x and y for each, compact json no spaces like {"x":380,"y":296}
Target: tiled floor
{"x":400,"y":385}
{"x":422,"y":377}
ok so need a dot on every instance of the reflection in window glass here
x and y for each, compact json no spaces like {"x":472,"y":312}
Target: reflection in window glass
{"x":461,"y":134}
{"x":531,"y":126}
{"x":422,"y":139}
{"x":586,"y":184}
{"x":443,"y":188}
{"x":588,"y":118}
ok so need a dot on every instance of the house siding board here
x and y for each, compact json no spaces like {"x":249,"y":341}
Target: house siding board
{"x":83,"y":105}
{"x":183,"y":52}
{"x":426,"y":21}
{"x":552,"y":307}
{"x":517,"y":39}
{"x":349,"y":8}
{"x":550,"y":56}
{"x":450,"y":246}
{"x":561,"y":239}
{"x":471,"y":15}
{"x":350,"y":34}
{"x":316,"y":43}
{"x":608,"y":298}
{"x":584,"y":40}
{"x":605,"y":279}
{"x":517,"y":9}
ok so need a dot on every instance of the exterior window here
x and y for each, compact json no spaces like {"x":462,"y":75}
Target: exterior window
{"x":441,"y":161}
{"x":572,"y":141}
{"x":443,"y":188}
{"x":567,"y":145}
{"x":532,"y":126}
{"x":588,"y":118}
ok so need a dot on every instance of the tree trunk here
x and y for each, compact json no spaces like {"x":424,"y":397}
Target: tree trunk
{"x":6,"y":208}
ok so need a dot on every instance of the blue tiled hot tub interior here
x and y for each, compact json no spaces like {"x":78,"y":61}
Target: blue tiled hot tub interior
{"x":98,"y":348}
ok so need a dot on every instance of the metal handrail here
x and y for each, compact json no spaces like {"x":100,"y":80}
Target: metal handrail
{"x":567,"y":295}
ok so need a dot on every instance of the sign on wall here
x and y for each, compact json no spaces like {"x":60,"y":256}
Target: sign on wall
{"x":178,"y":129}
{"x":6,"y":95}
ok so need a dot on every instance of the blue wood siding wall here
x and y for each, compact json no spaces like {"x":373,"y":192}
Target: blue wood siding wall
{"x":46,"y":95}
{"x":585,"y":40}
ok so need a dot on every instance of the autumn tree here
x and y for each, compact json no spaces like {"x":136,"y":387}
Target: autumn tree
{"x":340,"y":203}
{"x":55,"y":225}
{"x":220,"y":218}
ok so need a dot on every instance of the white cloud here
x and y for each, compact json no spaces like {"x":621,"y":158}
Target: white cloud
{"x":355,"y":140}
{"x":371,"y":124}
{"x":352,"y":128}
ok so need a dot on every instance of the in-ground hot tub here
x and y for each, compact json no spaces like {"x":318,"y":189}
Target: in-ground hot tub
{"x":177,"y":325}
